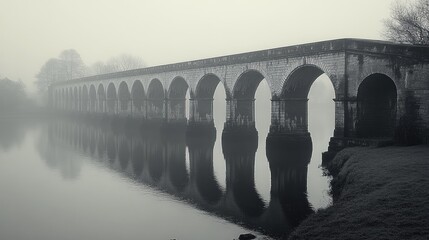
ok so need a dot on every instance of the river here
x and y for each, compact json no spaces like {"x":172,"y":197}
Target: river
{"x":68,"y":178}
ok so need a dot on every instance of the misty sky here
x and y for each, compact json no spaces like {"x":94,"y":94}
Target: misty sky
{"x":164,"y":32}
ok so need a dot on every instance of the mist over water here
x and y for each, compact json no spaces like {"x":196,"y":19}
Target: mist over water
{"x":74,"y":179}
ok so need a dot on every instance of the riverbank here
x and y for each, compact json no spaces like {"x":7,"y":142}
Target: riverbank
{"x":379,"y":193}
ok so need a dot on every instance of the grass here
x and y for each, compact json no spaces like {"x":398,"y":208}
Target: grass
{"x":379,"y":193}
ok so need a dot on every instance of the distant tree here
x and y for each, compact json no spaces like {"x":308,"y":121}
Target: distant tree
{"x":98,"y":68}
{"x":116,"y":64}
{"x":73,"y":64}
{"x":52,"y":71}
{"x":67,"y":66}
{"x":125,"y":62}
{"x":409,"y":22}
{"x":12,"y":96}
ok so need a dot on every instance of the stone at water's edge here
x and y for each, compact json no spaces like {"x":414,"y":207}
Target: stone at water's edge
{"x":246,"y":236}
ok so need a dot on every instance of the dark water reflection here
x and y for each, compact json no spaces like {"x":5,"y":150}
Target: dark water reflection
{"x":179,"y":166}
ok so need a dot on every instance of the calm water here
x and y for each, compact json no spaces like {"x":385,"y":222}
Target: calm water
{"x":70,"y":179}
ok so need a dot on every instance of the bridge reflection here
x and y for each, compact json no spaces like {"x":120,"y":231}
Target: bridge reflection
{"x":158,"y":159}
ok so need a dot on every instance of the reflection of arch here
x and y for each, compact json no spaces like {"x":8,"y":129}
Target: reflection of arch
{"x":101,"y":94}
{"x":288,"y":159}
{"x":137,"y":157}
{"x":92,"y":98}
{"x":376,"y":106}
{"x":124,"y":96}
{"x":201,"y":166}
{"x":299,"y":81}
{"x":206,"y":86}
{"x":156,"y":163}
{"x":239,"y":153}
{"x":138,"y":95}
{"x":246,"y":85}
{"x":176,"y":159}
{"x":85,"y":98}
{"x":111,"y":147}
{"x":124,"y":152}
{"x":111,"y":98}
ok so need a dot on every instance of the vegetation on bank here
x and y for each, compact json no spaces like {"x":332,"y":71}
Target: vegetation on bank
{"x":379,"y":193}
{"x":13,"y":98}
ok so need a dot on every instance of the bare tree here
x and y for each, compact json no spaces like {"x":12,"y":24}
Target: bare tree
{"x":117,"y":64}
{"x":125,"y":62}
{"x":409,"y":22}
{"x":73,"y":64}
{"x":67,"y":66}
{"x":52,"y":71}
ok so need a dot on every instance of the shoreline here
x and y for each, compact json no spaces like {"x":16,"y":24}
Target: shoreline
{"x":378,"y":193}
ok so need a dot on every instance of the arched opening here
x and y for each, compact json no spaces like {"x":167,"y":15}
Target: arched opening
{"x":306,"y":107}
{"x":92,"y":98}
{"x":208,"y":108}
{"x":376,"y":107}
{"x":85,"y":98}
{"x":209,"y":95}
{"x":63,"y":99}
{"x":69,"y":98}
{"x":138,"y":97}
{"x":250,"y":111}
{"x":177,"y":99}
{"x":101,"y":94}
{"x":241,"y":110}
{"x":155,"y":103}
{"x":124,"y":97}
{"x":79,"y":97}
{"x":291,"y":112}
{"x":74,"y":97}
{"x":112,"y":100}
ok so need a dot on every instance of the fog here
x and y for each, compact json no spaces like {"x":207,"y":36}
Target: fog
{"x":100,"y":175}
{"x":164,"y":32}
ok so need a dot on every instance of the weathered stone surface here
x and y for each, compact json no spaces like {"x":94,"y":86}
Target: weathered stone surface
{"x":289,"y":72}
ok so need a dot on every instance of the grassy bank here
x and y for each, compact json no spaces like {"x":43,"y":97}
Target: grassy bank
{"x":379,"y":193}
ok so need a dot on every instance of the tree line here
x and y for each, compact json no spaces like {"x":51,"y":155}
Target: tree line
{"x":69,"y":65}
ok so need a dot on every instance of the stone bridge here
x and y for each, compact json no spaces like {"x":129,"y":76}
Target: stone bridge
{"x":381,"y":90}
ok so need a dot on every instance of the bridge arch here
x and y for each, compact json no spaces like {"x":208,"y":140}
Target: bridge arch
{"x":112,"y":99}
{"x":201,"y":102}
{"x":79,"y":92}
{"x":85,"y":98}
{"x":290,"y":108}
{"x":376,"y":107}
{"x":92,"y":98}
{"x":124,"y":97}
{"x":69,"y":98}
{"x":246,"y":84}
{"x":207,"y":85}
{"x":176,"y":104}
{"x":299,"y":81}
{"x":101,"y":95}
{"x":241,"y":107}
{"x":178,"y":88}
{"x":62,"y":97}
{"x":155,"y":98}
{"x":138,"y":96}
{"x":74,"y":97}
